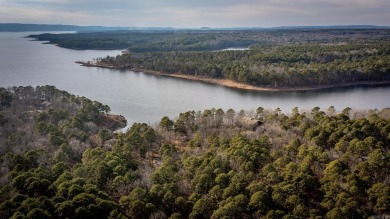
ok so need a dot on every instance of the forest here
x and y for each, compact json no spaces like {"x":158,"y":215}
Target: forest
{"x":140,"y":41}
{"x":60,"y":158}
{"x":291,"y":58}
{"x":285,"y":65}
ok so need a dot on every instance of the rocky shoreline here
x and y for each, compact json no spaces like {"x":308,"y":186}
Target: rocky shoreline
{"x":113,"y":122}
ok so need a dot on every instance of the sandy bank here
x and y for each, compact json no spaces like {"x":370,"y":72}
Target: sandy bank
{"x":233,"y":84}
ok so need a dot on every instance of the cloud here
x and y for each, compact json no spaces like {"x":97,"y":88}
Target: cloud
{"x":35,"y":15}
{"x":189,"y":13}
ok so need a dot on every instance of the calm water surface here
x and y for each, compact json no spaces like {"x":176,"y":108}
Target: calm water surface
{"x":146,"y":98}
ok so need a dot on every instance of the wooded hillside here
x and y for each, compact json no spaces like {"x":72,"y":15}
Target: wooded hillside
{"x":284,"y":65}
{"x":58,"y":161}
{"x":278,"y":58}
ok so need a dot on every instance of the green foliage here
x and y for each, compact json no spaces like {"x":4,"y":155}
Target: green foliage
{"x":104,"y":134}
{"x":297,"y":62}
{"x":15,"y":139}
{"x":201,"y":165}
{"x":38,"y":213}
{"x":5,"y":98}
{"x":166,"y":123}
{"x":379,"y":196}
{"x":136,"y":204}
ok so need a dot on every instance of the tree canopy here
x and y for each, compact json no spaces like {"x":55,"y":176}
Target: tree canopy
{"x":59,"y":162}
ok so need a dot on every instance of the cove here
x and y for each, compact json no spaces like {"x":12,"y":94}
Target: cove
{"x":147,"y":98}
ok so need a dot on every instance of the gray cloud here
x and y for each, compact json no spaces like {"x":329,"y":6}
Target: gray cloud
{"x":189,"y":13}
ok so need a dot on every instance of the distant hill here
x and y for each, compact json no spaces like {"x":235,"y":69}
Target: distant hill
{"x":16,"y":27}
{"x":333,"y":27}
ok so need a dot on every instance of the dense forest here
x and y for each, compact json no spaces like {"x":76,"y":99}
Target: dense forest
{"x":61,"y":159}
{"x":274,"y":58}
{"x":139,"y":41}
{"x":284,"y":65}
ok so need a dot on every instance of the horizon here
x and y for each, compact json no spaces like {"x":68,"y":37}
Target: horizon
{"x":204,"y":26}
{"x":185,"y":14}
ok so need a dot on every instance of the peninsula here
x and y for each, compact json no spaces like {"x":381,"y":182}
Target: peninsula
{"x":233,"y":84}
{"x":276,"y":60}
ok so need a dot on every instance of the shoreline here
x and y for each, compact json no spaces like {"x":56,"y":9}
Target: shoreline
{"x":232,"y":84}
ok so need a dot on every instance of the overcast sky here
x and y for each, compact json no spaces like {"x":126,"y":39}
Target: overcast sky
{"x":197,"y":13}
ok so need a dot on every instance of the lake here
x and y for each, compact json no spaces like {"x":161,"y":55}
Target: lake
{"x":147,"y":98}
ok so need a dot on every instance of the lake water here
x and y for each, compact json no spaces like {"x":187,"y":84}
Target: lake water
{"x":147,"y":98}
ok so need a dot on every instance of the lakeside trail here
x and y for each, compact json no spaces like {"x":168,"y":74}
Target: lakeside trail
{"x":233,"y":84}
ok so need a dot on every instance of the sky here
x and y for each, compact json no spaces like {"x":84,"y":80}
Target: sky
{"x":197,"y":13}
